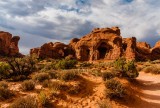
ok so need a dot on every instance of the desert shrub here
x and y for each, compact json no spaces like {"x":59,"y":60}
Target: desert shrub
{"x":126,"y":68}
{"x":28,"y":85}
{"x":19,"y":78}
{"x":108,"y":75}
{"x":114,"y":89}
{"x":5,"y":93}
{"x":48,"y":66}
{"x":75,"y":89}
{"x":104,"y":105}
{"x":53,"y":74}
{"x":57,"y":85}
{"x":40,"y":77}
{"x":152,"y":69}
{"x":119,"y":63}
{"x":131,"y":70}
{"x":96,"y":72}
{"x":22,"y":66}
{"x":3,"y":85}
{"x":25,"y":102}
{"x":43,"y":99}
{"x":65,"y":64}
{"x":85,"y":64}
{"x":46,"y":83}
{"x":105,"y":64}
{"x":69,"y":75}
{"x":4,"y":70}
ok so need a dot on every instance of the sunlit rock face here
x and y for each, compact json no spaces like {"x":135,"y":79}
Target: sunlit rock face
{"x":9,"y":44}
{"x":100,"y":44}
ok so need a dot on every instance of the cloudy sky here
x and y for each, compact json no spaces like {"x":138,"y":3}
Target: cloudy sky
{"x":41,"y":21}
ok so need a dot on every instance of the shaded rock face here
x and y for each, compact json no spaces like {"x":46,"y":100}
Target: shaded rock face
{"x":143,"y":51}
{"x":100,"y":44}
{"x":9,"y":44}
{"x":155,"y":51}
{"x":129,"y":48}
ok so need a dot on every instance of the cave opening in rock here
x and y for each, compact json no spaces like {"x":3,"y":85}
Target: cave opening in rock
{"x":103,"y":49}
{"x":124,"y":46}
{"x":87,"y":54}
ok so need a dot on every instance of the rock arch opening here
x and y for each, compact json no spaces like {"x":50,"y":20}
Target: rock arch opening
{"x":103,"y":50}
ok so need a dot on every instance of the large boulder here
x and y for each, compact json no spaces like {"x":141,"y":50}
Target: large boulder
{"x":8,"y":44}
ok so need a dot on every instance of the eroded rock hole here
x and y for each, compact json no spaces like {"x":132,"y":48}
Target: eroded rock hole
{"x":103,"y":50}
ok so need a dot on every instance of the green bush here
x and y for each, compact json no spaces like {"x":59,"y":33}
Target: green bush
{"x":131,"y":70}
{"x":40,"y":77}
{"x":126,"y":68}
{"x":48,"y":66}
{"x":114,"y":89}
{"x":28,"y":85}
{"x":108,"y":75}
{"x":119,"y":63}
{"x":4,"y":70}
{"x":69,"y":75}
{"x":25,"y":102}
{"x":22,"y":66}
{"x":65,"y":64}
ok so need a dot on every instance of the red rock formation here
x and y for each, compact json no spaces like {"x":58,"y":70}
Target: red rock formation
{"x":129,"y":48}
{"x":8,"y":44}
{"x":143,"y":51}
{"x":101,"y":43}
{"x":155,"y":51}
{"x":52,"y":50}
{"x":14,"y":45}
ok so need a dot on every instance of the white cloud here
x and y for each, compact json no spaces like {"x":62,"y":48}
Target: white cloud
{"x":42,"y":21}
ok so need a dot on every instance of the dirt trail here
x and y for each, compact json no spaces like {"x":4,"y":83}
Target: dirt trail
{"x":150,"y":90}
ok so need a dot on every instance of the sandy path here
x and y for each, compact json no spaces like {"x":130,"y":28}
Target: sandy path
{"x":150,"y":86}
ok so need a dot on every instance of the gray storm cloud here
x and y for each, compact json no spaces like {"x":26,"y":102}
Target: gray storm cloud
{"x":38,"y":22}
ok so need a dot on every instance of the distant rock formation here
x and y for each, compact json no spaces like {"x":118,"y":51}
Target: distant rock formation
{"x":53,"y":50}
{"x":101,"y":43}
{"x":9,"y":44}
